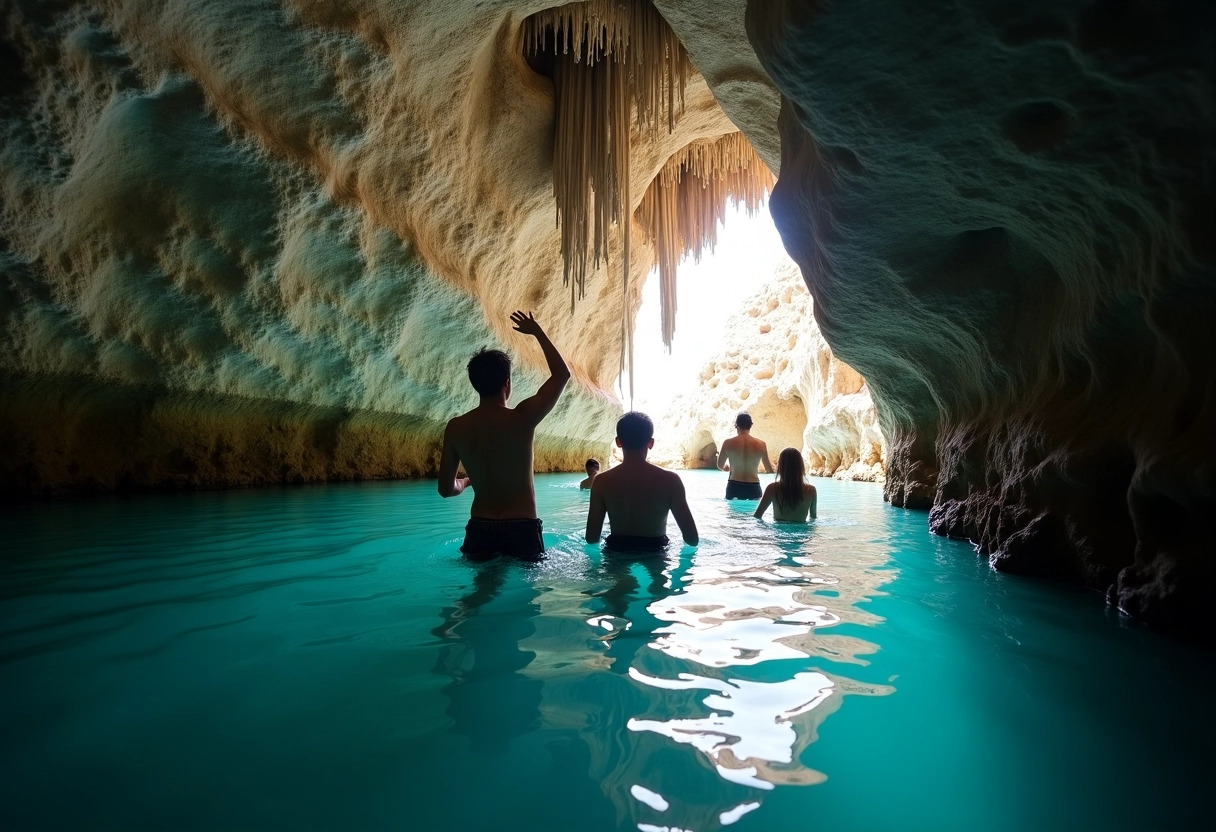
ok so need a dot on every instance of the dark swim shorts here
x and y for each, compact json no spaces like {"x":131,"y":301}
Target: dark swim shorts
{"x":633,"y":544}
{"x":736,"y":490}
{"x":485,"y":539}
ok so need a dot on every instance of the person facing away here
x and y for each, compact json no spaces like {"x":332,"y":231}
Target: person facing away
{"x":792,"y":497}
{"x":494,"y":443}
{"x":593,"y":468}
{"x":637,"y":495}
{"x":741,"y":456}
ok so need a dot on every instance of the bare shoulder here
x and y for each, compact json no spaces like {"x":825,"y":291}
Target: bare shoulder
{"x":671,"y":478}
{"x":606,"y":479}
{"x":455,"y":424}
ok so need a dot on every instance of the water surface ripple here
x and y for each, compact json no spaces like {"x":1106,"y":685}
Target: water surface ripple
{"x":320,"y":658}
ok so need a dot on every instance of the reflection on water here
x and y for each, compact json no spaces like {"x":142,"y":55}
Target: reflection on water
{"x":488,"y":701}
{"x":733,"y":666}
{"x":321,"y":659}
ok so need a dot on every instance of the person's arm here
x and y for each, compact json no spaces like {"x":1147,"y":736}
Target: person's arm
{"x":595,"y":513}
{"x":450,"y":485}
{"x":767,"y":499}
{"x":723,"y":462}
{"x":768,"y":464}
{"x":814,"y":503}
{"x":538,"y":405}
{"x":682,"y":513}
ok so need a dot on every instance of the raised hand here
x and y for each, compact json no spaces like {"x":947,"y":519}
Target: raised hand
{"x":526,"y":323}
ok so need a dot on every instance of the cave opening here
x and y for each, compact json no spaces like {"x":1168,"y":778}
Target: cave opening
{"x":645,"y":190}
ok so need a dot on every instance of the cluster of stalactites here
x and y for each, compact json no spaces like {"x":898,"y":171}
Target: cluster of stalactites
{"x":683,"y":206}
{"x":615,"y":63}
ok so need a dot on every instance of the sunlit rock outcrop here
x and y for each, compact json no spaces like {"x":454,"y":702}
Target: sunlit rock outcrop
{"x":1004,"y":212}
{"x":775,"y":365}
{"x":247,"y":242}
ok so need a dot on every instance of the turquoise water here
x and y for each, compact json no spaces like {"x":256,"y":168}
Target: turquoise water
{"x":321,"y":659}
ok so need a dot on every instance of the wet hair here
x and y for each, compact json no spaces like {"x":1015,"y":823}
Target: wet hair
{"x":743,"y":420}
{"x":592,"y":463}
{"x":635,"y":430}
{"x":790,"y":473}
{"x":489,"y":370}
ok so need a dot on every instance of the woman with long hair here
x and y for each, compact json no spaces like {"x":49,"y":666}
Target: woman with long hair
{"x":792,"y":497}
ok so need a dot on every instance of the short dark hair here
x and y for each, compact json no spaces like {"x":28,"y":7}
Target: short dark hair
{"x":635,"y":430}
{"x":592,"y":463}
{"x":489,"y":371}
{"x":743,"y":420}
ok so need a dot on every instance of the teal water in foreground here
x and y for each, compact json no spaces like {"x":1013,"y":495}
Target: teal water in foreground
{"x":321,"y":659}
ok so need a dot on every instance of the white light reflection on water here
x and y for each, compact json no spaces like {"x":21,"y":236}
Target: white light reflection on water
{"x":744,"y":631}
{"x":750,"y":726}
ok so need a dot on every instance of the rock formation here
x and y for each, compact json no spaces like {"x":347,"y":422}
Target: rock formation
{"x":775,"y":365}
{"x":247,"y":242}
{"x":1005,"y":214}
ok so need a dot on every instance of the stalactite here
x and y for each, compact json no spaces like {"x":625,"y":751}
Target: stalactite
{"x":684,"y":204}
{"x":617,"y":65}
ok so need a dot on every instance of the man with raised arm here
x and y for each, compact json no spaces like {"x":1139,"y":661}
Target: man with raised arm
{"x":494,"y":443}
{"x":741,"y":455}
{"x":637,"y":496}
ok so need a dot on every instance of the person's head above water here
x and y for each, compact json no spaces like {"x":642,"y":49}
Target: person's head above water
{"x":790,"y":475}
{"x":790,"y":465}
{"x":743,"y":421}
{"x":634,"y":431}
{"x":592,"y":465}
{"x":489,"y":371}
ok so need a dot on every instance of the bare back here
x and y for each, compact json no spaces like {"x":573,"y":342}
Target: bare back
{"x":745,"y":454}
{"x":637,"y":496}
{"x":799,"y":513}
{"x":493,"y":441}
{"x":495,"y":446}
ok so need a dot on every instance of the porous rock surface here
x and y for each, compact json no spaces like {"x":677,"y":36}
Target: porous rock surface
{"x":248,"y":242}
{"x":1005,"y":213}
{"x":775,"y":365}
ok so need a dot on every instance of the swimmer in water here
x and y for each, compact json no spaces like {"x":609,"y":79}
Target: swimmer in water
{"x":494,"y":443}
{"x":741,"y":455}
{"x":637,"y":496}
{"x":792,"y":497}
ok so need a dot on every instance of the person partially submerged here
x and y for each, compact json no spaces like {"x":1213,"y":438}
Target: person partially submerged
{"x":637,"y":496}
{"x":494,"y":443}
{"x":791,"y":496}
{"x":741,"y":456}
{"x":593,"y":468}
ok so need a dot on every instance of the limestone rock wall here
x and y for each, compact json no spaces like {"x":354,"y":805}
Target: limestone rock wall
{"x":1005,"y":214}
{"x":775,"y":364}
{"x":249,"y":242}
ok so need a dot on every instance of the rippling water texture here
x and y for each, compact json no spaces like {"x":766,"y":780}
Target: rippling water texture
{"x":321,"y":659}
